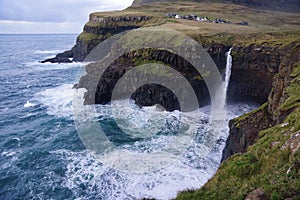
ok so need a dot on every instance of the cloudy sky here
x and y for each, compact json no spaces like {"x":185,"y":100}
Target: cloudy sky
{"x":51,"y":16}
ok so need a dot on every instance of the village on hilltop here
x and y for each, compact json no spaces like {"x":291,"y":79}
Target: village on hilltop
{"x":203,"y":19}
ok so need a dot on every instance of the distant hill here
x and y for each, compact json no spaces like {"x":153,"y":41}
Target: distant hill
{"x":278,"y":5}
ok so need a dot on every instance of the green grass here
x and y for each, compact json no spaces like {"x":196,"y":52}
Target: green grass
{"x":241,"y":118}
{"x":274,"y":28}
{"x":293,"y":91}
{"x":263,"y":166}
{"x":271,"y":164}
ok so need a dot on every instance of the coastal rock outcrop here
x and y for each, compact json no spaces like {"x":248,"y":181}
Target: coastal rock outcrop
{"x":65,"y":57}
{"x":100,"y":91}
{"x":282,"y":101}
{"x":262,"y":159}
{"x":252,"y":72}
{"x":98,"y":29}
{"x":253,"y":65}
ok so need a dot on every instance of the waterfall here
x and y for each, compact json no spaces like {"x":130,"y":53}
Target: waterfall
{"x":219,"y":106}
{"x":227,"y":73}
{"x":222,"y":95}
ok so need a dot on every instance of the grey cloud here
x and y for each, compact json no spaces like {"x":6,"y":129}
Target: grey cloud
{"x":55,"y":10}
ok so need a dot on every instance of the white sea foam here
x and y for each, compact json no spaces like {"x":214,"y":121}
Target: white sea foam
{"x":117,"y":174}
{"x":37,"y":66}
{"x":11,"y":157}
{"x":28,"y":104}
{"x":58,"y":100}
{"x":48,"y":51}
{"x":8,"y":154}
{"x":104,"y":177}
{"x":3,"y":110}
{"x":85,"y":169}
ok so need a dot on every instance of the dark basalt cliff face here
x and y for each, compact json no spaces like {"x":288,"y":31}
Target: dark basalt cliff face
{"x":95,"y":31}
{"x":244,"y":130}
{"x":253,"y":69}
{"x":253,"y":66}
{"x":94,"y":34}
{"x":150,"y":94}
{"x":252,"y":75}
{"x":266,"y":164}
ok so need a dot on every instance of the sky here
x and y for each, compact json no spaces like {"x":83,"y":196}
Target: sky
{"x":51,"y":16}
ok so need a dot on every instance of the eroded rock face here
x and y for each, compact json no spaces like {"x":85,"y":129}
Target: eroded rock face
{"x":100,"y":88}
{"x":293,"y":143}
{"x":253,"y":70}
{"x":244,"y":130}
{"x":64,"y":57}
{"x":281,"y":81}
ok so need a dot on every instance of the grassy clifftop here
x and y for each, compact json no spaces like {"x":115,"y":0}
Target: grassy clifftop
{"x":283,"y":5}
{"x":265,"y":26}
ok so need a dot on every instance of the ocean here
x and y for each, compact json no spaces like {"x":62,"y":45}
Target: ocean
{"x":42,"y":155}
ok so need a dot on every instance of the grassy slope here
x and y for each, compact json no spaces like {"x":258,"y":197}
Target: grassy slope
{"x":282,"y":5}
{"x":265,"y":26}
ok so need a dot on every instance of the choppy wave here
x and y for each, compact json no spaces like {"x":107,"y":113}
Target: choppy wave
{"x":48,"y":51}
{"x":28,"y":104}
{"x":116,"y":174}
{"x":58,"y":100}
{"x":84,"y":170}
{"x":37,"y":66}
{"x":102,"y":176}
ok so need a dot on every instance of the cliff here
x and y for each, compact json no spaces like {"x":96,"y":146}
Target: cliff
{"x":252,"y":75}
{"x":266,"y":143}
{"x":261,"y":158}
{"x":245,"y":129}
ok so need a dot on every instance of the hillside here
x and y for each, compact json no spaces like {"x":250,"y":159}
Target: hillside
{"x":284,"y":5}
{"x":264,"y":26}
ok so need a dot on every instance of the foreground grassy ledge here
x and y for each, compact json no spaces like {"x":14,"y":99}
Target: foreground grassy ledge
{"x":270,"y":168}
